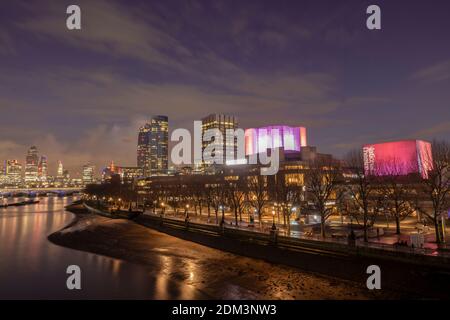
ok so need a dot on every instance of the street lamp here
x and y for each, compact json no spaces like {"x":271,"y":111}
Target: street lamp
{"x":274,"y":227}
{"x":186,"y":213}
{"x":222,"y":209}
{"x":163,"y":207}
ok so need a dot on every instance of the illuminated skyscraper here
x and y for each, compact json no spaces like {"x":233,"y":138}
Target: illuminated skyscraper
{"x":221,"y":122}
{"x":60,"y":172}
{"x":31,"y":166}
{"x":3,"y":179}
{"x":42,"y":169}
{"x":153,"y":146}
{"x":13,"y":172}
{"x":88,"y":174}
{"x":143,"y":150}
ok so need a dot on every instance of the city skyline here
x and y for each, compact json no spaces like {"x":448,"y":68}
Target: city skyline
{"x":225,"y":158}
{"x":309,"y":64}
{"x":153,"y":156}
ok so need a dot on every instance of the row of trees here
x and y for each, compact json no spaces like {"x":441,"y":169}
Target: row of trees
{"x":367,"y":197}
{"x":326,"y":187}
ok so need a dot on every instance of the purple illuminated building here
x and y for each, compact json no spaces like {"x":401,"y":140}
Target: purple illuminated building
{"x":398,"y":158}
{"x":258,"y":140}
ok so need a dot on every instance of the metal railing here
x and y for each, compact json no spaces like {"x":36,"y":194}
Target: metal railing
{"x":283,"y":237}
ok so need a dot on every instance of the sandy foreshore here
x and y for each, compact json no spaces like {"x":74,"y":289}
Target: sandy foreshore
{"x":217,"y":274}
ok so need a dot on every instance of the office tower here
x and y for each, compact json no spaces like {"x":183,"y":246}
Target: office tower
{"x":42,"y":169}
{"x":221,"y":122}
{"x":31,"y":166}
{"x":159,"y":145}
{"x":3,"y":179}
{"x":153,"y":146}
{"x":60,"y":172}
{"x":143,"y":150}
{"x":88,"y":174}
{"x":13,"y":172}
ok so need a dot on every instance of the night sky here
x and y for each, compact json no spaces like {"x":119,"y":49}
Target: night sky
{"x":80,"y":96}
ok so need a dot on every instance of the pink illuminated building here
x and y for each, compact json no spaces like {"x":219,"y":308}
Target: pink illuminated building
{"x":258,"y":140}
{"x":398,"y":158}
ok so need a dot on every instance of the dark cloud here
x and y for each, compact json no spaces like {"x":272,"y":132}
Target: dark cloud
{"x":80,"y":96}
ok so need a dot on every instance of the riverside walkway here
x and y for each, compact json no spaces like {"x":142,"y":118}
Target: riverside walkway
{"x":265,"y":228}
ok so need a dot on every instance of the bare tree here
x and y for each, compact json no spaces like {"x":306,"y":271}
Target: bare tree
{"x":322,"y":181}
{"x":287,"y":194}
{"x":257,"y":194}
{"x":176,"y":197}
{"x":208,"y":194}
{"x":362,"y":191}
{"x":435,"y":186}
{"x":198,"y":195}
{"x":397,"y":190}
{"x":219,"y":196}
{"x":236,"y":193}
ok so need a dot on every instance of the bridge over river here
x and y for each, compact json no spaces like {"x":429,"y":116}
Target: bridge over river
{"x":27,"y":192}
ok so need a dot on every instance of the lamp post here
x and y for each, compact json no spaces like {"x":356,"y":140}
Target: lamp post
{"x":163,"y":207}
{"x":275,"y":206}
{"x":186,"y":212}
{"x":222,"y":209}
{"x":252,"y":216}
{"x":274,"y":227}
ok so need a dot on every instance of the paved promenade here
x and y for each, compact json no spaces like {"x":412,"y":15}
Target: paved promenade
{"x":386,"y":242}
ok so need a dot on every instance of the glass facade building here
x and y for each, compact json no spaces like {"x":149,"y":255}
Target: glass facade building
{"x":88,"y":174}
{"x":31,"y":166}
{"x":222,"y":122}
{"x":153,"y":146}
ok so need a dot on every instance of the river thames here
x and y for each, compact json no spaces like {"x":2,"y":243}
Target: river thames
{"x":31,"y":267}
{"x":157,"y":266}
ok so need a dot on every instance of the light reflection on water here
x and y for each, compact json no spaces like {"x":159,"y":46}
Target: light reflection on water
{"x":32,"y":267}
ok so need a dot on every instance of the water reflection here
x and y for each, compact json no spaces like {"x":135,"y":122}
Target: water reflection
{"x":32,"y":267}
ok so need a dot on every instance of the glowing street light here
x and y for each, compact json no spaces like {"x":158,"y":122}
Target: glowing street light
{"x":274,"y":227}
{"x":186,"y":212}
